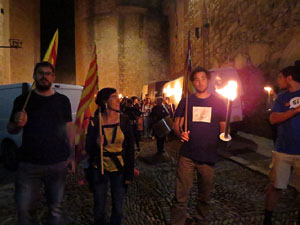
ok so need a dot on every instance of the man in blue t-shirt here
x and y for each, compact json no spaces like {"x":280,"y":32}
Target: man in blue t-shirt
{"x":205,"y":121}
{"x":286,"y":157}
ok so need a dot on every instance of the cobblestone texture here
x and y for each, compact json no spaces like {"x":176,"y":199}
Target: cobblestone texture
{"x":238,"y":196}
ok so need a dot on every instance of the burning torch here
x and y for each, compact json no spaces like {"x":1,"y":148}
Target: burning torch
{"x":268,"y":89}
{"x":229,"y":92}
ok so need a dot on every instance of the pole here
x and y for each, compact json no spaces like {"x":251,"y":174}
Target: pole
{"x":269,"y":101}
{"x":101,"y":146}
{"x":226,"y":136}
{"x":28,"y":96}
{"x":228,"y":114}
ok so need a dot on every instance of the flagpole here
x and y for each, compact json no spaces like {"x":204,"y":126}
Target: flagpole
{"x":101,"y":145}
{"x":186,"y":81}
{"x":186,"y":106}
{"x":28,"y":96}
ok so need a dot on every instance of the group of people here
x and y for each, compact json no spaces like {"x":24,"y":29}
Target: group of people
{"x":144,"y":114}
{"x":48,"y":145}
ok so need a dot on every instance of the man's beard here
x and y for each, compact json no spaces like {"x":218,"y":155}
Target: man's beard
{"x":43,"y":87}
{"x":203,"y":90}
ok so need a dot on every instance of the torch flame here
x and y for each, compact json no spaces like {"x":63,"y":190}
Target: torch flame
{"x":268,"y":89}
{"x":229,"y":91}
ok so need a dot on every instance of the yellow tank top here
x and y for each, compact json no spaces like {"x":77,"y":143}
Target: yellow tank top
{"x":114,"y":137}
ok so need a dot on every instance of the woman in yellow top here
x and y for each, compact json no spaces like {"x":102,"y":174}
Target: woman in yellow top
{"x":118,"y":156}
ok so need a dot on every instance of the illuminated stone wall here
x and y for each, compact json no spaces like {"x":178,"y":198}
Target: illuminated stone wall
{"x":4,"y":36}
{"x":132,"y":43}
{"x":19,"y":19}
{"x":24,"y":25}
{"x":257,"y":38}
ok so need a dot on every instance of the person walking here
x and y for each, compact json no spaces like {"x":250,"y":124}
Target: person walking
{"x":47,"y":146}
{"x":206,"y":120}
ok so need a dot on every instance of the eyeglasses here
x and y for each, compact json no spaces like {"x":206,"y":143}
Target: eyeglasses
{"x":42,"y":73}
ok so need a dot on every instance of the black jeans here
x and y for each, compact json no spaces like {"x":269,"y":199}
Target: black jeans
{"x":160,"y":142}
{"x":29,"y":181}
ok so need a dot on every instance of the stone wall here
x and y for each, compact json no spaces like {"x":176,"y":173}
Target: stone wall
{"x":132,"y":44}
{"x":4,"y":37}
{"x":24,"y":24}
{"x":256,"y":37}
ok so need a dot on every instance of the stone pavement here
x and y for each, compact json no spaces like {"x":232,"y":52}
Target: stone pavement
{"x":251,"y":151}
{"x":237,"y":198}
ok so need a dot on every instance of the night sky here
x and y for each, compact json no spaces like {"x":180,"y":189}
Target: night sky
{"x":59,"y":14}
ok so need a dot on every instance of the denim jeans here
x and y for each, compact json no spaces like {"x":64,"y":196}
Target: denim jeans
{"x":29,"y":181}
{"x":118,"y":190}
{"x":184,"y":181}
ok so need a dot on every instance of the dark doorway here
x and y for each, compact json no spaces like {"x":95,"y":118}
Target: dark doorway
{"x":60,"y":14}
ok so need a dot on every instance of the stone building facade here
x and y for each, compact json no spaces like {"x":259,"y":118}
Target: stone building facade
{"x":131,"y":39}
{"x":19,"y":19}
{"x":257,"y":38}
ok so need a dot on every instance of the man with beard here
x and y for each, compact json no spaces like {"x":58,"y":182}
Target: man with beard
{"x":205,"y":121}
{"x":47,"y":149}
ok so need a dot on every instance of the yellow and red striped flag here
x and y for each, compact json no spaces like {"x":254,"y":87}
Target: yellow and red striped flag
{"x":87,"y":96}
{"x":51,"y":53}
{"x":50,"y":56}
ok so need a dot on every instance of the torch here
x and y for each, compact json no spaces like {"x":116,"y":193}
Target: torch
{"x":268,"y":89}
{"x":229,"y":92}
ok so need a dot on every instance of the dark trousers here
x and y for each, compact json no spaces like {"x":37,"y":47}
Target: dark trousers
{"x":29,"y":181}
{"x":184,"y":181}
{"x":118,"y":190}
{"x":160,"y":142}
{"x":136,"y":134}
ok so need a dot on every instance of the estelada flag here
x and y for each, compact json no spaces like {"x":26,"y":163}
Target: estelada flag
{"x":51,"y":53}
{"x":187,"y":84}
{"x":83,"y":112}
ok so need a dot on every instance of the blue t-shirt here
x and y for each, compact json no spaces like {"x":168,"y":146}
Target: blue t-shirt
{"x":204,"y":117}
{"x":288,"y":132}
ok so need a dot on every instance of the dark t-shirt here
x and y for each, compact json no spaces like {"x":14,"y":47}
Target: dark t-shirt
{"x":45,"y":139}
{"x":288,"y":132}
{"x":204,"y":117}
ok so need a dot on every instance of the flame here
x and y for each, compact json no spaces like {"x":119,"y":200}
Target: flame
{"x":120,"y":96}
{"x":177,"y":91}
{"x":268,"y":89}
{"x":229,"y":91}
{"x":168,"y":91}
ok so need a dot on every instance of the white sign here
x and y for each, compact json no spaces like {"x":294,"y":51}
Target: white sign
{"x":201,"y":114}
{"x":294,"y":102}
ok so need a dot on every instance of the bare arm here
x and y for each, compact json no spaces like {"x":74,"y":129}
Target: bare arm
{"x":184,"y":136}
{"x":277,"y":117}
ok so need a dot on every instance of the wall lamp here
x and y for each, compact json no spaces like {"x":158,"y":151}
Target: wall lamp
{"x":13,"y":43}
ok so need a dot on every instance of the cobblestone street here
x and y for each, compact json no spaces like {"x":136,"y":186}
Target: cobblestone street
{"x":238,"y":196}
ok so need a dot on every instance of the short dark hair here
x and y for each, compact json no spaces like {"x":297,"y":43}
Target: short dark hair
{"x":293,"y":71}
{"x":197,"y":70}
{"x":134,"y":98}
{"x":102,"y":97}
{"x":43,"y":64}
